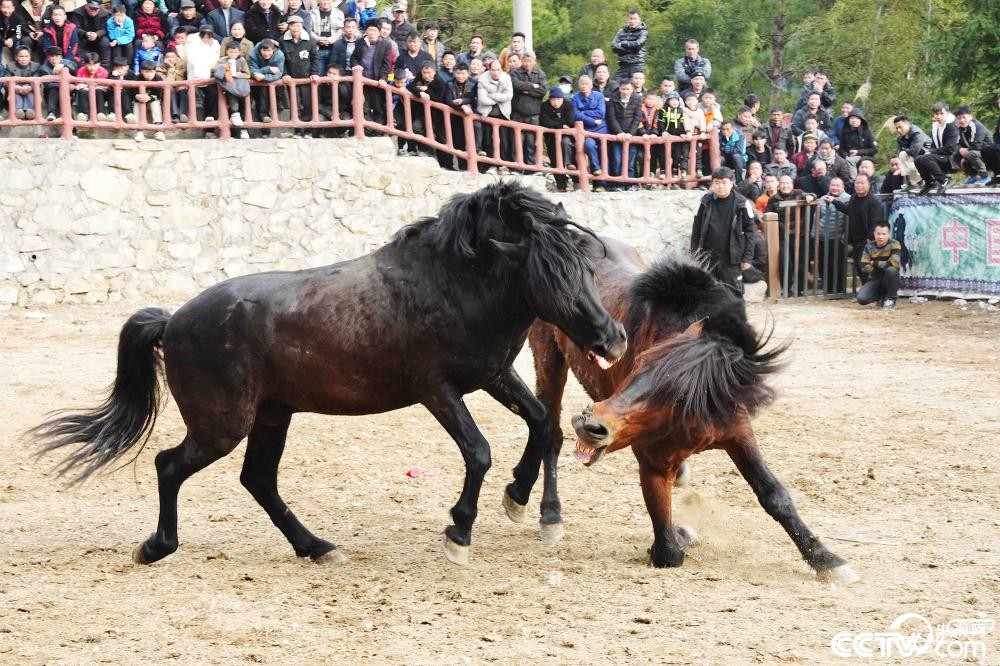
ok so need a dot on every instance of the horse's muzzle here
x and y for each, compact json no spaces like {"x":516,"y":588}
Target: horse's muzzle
{"x":593,"y":438}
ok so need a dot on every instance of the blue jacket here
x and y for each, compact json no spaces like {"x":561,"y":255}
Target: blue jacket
{"x":123,"y":35}
{"x":589,"y":109}
{"x":734,"y":145}
{"x":257,"y":63}
{"x":142,"y":55}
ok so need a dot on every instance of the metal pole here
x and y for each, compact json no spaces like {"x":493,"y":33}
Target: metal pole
{"x":522,"y":20}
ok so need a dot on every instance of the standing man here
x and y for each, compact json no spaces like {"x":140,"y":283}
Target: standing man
{"x":880,"y":264}
{"x":530,"y":85}
{"x":373,"y":55}
{"x":864,"y":212}
{"x":495,"y":92}
{"x":327,"y":27}
{"x":629,"y":45}
{"x":693,"y":61}
{"x":224,"y":16}
{"x":724,"y":230}
{"x":401,"y":28}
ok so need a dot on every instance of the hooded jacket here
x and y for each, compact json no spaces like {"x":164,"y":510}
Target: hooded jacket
{"x":629,"y":45}
{"x":860,"y":139}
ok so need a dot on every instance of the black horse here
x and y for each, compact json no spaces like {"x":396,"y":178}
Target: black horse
{"x":439,"y":312}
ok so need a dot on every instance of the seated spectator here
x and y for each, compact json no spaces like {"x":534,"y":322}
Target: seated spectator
{"x":121,"y":70}
{"x":62,"y":34}
{"x":589,"y":108}
{"x":770,"y":189}
{"x":802,"y":159}
{"x":624,"y":116}
{"x":856,"y":139}
{"x":224,"y":17}
{"x":267,"y":64}
{"x":81,"y":97}
{"x":149,"y":20}
{"x":812,"y":128}
{"x":338,"y":108}
{"x":815,"y":181}
{"x":147,"y":51}
{"x":786,"y":192}
{"x":732,"y":149}
{"x":174,"y":69}
{"x":752,"y":186}
{"x":867,"y":167}
{"x":973,"y":137}
{"x":819,"y":83}
{"x":758,"y":150}
{"x":836,"y":165}
{"x":709,"y":105}
{"x":746,"y":122}
{"x":692,"y":62}
{"x":781,"y":166}
{"x":232,"y":73}
{"x":475,"y":51}
{"x":150,"y":99}
{"x":779,"y":134}
{"x":840,"y":123}
{"x":295,"y":8}
{"x":367,"y":12}
{"x":912,"y":144}
{"x":812,"y":106}
{"x":237,"y":35}
{"x":590,"y":68}
{"x":188,"y":17}
{"x":880,"y":263}
{"x":24,"y":96}
{"x":91,"y":22}
{"x":179,"y":41}
{"x":14,"y":29}
{"x":752,"y":102}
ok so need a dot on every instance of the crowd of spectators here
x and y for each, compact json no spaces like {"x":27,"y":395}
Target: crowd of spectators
{"x":231,"y":43}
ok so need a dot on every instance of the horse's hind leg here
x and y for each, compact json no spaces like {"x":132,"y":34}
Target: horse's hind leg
{"x":510,"y":391}
{"x":778,"y":503}
{"x":265,"y":446}
{"x":173,"y":467}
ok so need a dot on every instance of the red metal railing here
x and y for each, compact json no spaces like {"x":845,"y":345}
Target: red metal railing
{"x":443,"y":142}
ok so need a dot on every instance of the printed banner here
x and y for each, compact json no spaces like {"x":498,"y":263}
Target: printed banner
{"x":953,"y":241}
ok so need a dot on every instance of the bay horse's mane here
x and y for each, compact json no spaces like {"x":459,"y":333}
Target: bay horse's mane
{"x":711,"y":363}
{"x":508,"y":212}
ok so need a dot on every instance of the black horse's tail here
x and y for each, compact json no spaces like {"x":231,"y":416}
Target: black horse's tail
{"x":103,"y":434}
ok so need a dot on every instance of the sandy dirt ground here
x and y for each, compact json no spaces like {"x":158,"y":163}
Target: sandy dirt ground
{"x":886,"y":433}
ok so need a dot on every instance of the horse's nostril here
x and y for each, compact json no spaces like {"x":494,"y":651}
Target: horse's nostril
{"x":595,"y":429}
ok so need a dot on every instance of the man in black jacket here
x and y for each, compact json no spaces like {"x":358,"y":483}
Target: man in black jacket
{"x":629,"y":45}
{"x":933,"y":165}
{"x":302,"y":63}
{"x":912,"y":144}
{"x":261,"y":21}
{"x":342,"y":49}
{"x":973,"y":137}
{"x":373,"y":55}
{"x":530,"y":85}
{"x":864,"y":212}
{"x":724,"y":229}
{"x":91,"y":22}
{"x":624,"y":117}
{"x":461,"y":95}
{"x":856,"y":139}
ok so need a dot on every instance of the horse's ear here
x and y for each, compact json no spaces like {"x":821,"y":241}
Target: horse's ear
{"x":560,"y":208}
{"x":512,"y":250}
{"x":695,"y":329}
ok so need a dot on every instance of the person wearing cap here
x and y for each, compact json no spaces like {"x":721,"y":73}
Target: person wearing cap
{"x":401,"y":27}
{"x":327,"y":23}
{"x":697,"y":85}
{"x":202,"y":55}
{"x":267,"y":64}
{"x":629,"y":45}
{"x":91,"y":21}
{"x":487,"y":58}
{"x":557,"y":113}
{"x":55,"y":63}
{"x":187,"y":16}
{"x":148,"y":50}
{"x":692,"y":61}
{"x":475,"y":50}
{"x":295,"y":8}
{"x":530,"y":87}
{"x":566,"y":85}
{"x":373,"y":54}
{"x":412,"y":57}
{"x":431,"y":44}
{"x":301,"y":63}
{"x":62,"y":34}
{"x":223,"y":17}
{"x":261,"y":21}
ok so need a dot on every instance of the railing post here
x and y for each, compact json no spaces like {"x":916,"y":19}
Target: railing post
{"x":773,"y":253}
{"x":469,"y":127}
{"x":714,"y":158}
{"x":65,"y":104}
{"x":358,"y":101}
{"x":222,"y":108}
{"x":581,"y":156}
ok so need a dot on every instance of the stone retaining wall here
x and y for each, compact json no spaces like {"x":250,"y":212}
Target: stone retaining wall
{"x":155,"y":222}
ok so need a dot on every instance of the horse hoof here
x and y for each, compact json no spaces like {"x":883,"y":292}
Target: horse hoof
{"x":551,"y":533}
{"x":686,"y":535}
{"x":514,"y":510}
{"x":843,"y":574}
{"x":455,"y":553}
{"x":137,"y":555}
{"x":331,"y":558}
{"x":684,"y":476}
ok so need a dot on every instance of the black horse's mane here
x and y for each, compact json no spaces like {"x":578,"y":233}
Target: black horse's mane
{"x":712,"y":375}
{"x":509,"y":212}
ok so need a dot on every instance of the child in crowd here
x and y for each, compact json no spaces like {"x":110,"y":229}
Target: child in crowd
{"x":172,"y":69}
{"x":400,"y":99}
{"x":24,"y":97}
{"x":232,"y":73}
{"x":758,"y":150}
{"x":91,"y":70}
{"x":694,"y":127}
{"x":672,"y":123}
{"x":650,"y":126}
{"x":120,"y":72}
{"x":121,"y":33}
{"x":151,"y":99}
{"x":710,"y":107}
{"x":179,"y":42}
{"x":148,"y":51}
{"x":54,"y":64}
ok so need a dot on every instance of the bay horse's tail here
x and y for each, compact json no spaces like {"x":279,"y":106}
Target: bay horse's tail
{"x":105,"y":433}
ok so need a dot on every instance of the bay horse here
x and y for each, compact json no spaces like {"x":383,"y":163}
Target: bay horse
{"x":440,"y":311}
{"x":691,"y":379}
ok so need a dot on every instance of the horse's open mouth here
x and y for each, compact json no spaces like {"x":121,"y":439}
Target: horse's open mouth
{"x":588,"y":454}
{"x":599,"y":360}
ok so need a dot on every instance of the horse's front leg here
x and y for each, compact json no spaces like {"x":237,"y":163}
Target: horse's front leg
{"x":511,"y":392}
{"x":775,"y":499}
{"x":450,"y":411}
{"x":657,"y":480}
